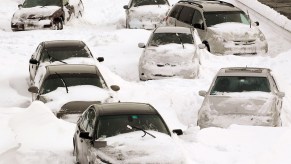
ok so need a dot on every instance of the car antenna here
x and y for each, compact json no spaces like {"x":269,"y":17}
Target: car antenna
{"x":145,"y":132}
{"x":63,"y":81}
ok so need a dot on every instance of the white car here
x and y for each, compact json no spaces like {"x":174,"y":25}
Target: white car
{"x":146,"y":14}
{"x":241,"y":95}
{"x":171,"y":52}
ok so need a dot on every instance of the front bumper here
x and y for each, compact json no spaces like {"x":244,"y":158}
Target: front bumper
{"x":31,"y":25}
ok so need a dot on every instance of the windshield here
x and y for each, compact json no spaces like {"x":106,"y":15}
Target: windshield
{"x":54,"y":81}
{"x":240,"y":84}
{"x":62,"y":53}
{"x":136,"y":3}
{"x":168,"y":38}
{"x":113,"y":125}
{"x":217,"y":17}
{"x":33,"y":3}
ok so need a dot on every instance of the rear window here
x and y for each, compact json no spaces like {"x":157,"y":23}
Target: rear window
{"x":54,"y":81}
{"x":217,"y":17}
{"x":33,"y":3}
{"x":136,"y":3}
{"x":168,"y":38}
{"x":240,"y":84}
{"x":113,"y":125}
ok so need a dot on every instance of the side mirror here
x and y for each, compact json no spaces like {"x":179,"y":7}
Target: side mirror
{"x":281,"y":94}
{"x":202,"y":93}
{"x":126,"y":7}
{"x":100,"y":59}
{"x":178,"y":131}
{"x":257,"y":23}
{"x":141,"y":45}
{"x":85,"y":135}
{"x":19,"y":6}
{"x":99,"y":144}
{"x":33,"y":61}
{"x":115,"y":87}
{"x":201,"y":46}
{"x":33,"y":89}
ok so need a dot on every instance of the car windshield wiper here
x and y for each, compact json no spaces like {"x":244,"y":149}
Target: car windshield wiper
{"x":65,"y":84}
{"x":51,"y":57}
{"x":145,"y":132}
{"x":180,"y":40}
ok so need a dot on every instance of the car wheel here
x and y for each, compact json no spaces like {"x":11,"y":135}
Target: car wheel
{"x":207,"y":45}
{"x":58,"y":24}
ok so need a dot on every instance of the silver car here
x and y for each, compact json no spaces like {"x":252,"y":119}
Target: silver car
{"x":224,"y":28}
{"x":146,"y":14}
{"x":171,"y":52}
{"x":241,"y":95}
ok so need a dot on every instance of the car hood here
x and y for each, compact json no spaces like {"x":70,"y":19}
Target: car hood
{"x":234,"y":31}
{"x":249,"y":103}
{"x":170,"y":54}
{"x":133,"y":148}
{"x":36,"y":12}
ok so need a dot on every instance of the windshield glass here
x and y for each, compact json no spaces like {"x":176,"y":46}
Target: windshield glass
{"x":217,"y":17}
{"x":62,"y":53}
{"x":136,"y":3}
{"x":54,"y":81}
{"x":240,"y":84}
{"x":168,"y":38}
{"x":113,"y":125}
{"x":33,"y":3}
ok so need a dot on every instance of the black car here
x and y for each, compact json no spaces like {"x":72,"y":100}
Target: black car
{"x":58,"y":50}
{"x":101,"y":121}
{"x":45,"y":14}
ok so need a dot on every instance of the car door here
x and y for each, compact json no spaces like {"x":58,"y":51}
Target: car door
{"x":33,"y":67}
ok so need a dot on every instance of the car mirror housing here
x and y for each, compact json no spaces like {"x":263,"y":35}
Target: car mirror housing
{"x":99,"y":144}
{"x":201,"y":46}
{"x":125,"y":7}
{"x":178,"y":131}
{"x":100,"y":59}
{"x":202,"y":93}
{"x":85,"y":135}
{"x":281,"y":94}
{"x":33,"y":61}
{"x":257,"y":23}
{"x":141,"y":45}
{"x":33,"y":89}
{"x":115,"y":87}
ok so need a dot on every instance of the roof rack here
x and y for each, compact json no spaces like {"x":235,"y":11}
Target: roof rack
{"x":222,"y":2}
{"x":191,"y":2}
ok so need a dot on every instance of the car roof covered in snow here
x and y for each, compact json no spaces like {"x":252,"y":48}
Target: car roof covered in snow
{"x":124,"y":108}
{"x":173,"y":29}
{"x":211,"y":6}
{"x":244,"y":71}
{"x":63,"y":43}
{"x":71,"y":68}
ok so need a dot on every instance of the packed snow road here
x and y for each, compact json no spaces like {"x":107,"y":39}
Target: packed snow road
{"x":34,"y":135}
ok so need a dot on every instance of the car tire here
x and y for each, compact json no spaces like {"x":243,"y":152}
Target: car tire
{"x":207,"y":45}
{"x":58,"y":24}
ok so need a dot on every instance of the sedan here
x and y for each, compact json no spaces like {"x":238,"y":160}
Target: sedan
{"x":124,"y":133}
{"x":241,"y":95}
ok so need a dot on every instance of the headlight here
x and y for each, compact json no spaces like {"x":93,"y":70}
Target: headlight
{"x":220,"y":38}
{"x":262,"y":37}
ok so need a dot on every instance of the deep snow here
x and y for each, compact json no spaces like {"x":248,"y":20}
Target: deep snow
{"x":30,"y":133}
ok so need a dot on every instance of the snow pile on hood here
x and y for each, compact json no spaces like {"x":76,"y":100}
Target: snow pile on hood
{"x":36,"y":12}
{"x":235,"y":31}
{"x":170,"y":53}
{"x":56,"y":99}
{"x":133,"y":148}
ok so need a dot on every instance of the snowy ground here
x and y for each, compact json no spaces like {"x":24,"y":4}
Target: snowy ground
{"x":32,"y":134}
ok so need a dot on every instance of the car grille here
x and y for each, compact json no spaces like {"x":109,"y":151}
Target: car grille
{"x":244,"y":42}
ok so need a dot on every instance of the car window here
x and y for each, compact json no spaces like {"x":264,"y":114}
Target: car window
{"x":38,"y":54}
{"x":113,"y":125}
{"x":186,"y":15}
{"x":240,"y":84}
{"x":33,"y":3}
{"x":62,"y":53}
{"x":176,"y":11}
{"x":54,"y":81}
{"x":84,"y":120}
{"x":197,"y":18}
{"x":136,"y":3}
{"x":217,"y":17}
{"x":91,"y":117}
{"x":168,"y":38}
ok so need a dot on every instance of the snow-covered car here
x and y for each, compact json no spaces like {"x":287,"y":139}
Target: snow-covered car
{"x":224,"y":28}
{"x":241,"y":95}
{"x":124,"y":133}
{"x":45,"y":14}
{"x":171,"y":52}
{"x":60,"y":52}
{"x":146,"y":14}
{"x":56,"y":85}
